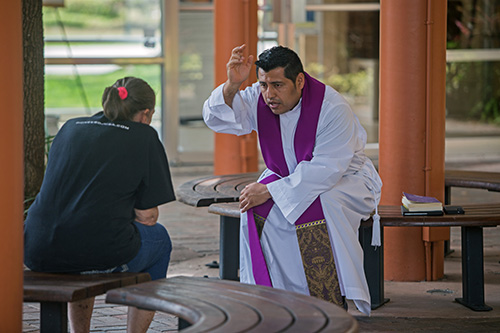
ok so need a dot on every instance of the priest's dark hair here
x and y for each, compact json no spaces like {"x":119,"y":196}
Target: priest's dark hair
{"x":280,"y":56}
{"x":126,"y":97}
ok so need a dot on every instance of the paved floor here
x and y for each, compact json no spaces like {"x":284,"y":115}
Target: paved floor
{"x":413,"y":306}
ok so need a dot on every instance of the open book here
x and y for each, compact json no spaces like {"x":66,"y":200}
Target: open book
{"x":418,"y":203}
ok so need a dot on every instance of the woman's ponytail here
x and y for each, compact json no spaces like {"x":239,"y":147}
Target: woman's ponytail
{"x":126,"y":97}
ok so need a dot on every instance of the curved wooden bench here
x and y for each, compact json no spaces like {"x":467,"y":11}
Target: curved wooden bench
{"x":215,"y":190}
{"x":211,"y":305}
{"x":470,"y":179}
{"x":473,"y":179}
{"x":202,"y":192}
{"x":472,"y":222}
{"x":54,"y":291}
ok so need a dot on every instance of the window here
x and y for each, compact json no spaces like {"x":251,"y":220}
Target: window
{"x":89,"y":44}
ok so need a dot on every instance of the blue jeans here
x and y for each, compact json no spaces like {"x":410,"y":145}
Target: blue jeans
{"x":154,"y":255}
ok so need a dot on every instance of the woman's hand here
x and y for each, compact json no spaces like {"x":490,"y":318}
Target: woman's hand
{"x":147,"y":216}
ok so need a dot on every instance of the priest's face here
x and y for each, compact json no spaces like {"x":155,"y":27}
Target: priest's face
{"x":280,"y":93}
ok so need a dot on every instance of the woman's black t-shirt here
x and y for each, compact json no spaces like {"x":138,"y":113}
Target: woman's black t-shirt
{"x":98,"y":171}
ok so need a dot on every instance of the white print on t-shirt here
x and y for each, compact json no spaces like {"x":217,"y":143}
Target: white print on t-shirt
{"x":93,"y":122}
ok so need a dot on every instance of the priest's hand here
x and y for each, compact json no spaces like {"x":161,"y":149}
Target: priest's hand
{"x":238,"y":66}
{"x":238,"y":70}
{"x":252,"y":195}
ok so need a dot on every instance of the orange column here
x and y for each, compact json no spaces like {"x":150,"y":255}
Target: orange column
{"x":435,"y":131}
{"x":412,"y":114}
{"x":235,"y":24}
{"x":11,"y":172}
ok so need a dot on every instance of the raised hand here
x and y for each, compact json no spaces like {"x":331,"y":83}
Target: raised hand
{"x":238,"y":70}
{"x":238,"y":67}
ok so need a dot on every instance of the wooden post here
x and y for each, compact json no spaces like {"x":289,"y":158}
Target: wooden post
{"x":11,"y":172}
{"x":235,"y":24}
{"x":435,"y":131}
{"x":412,"y":127}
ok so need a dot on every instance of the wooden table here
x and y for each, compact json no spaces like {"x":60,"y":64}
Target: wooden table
{"x":212,"y":305}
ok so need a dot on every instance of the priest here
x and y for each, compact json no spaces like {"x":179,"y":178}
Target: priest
{"x":300,"y":220}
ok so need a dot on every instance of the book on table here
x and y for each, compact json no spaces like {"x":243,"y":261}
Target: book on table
{"x":406,"y":212}
{"x":426,"y":205}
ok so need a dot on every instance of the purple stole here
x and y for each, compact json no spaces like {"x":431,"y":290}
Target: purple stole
{"x":272,"y":151}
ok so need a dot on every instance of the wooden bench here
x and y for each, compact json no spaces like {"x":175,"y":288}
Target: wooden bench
{"x":202,"y":192}
{"x":212,"y":305}
{"x":470,"y":179}
{"x":54,"y":291}
{"x":472,"y":222}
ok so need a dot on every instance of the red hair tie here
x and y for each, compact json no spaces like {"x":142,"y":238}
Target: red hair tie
{"x":122,"y":92}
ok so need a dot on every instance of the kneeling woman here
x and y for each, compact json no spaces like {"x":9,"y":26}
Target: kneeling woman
{"x":98,"y":205}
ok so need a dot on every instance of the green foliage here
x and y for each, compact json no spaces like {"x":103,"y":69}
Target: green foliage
{"x":490,"y":110}
{"x":63,"y":90}
{"x":355,"y":84}
{"x":473,"y":90}
{"x":105,"y":8}
{"x":48,"y":143}
{"x":191,"y":62}
{"x":90,"y":14}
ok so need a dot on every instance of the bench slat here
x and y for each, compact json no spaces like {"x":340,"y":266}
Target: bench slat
{"x":473,"y":179}
{"x":481,"y":214}
{"x":149,"y":297}
{"x":240,"y":315}
{"x":475,"y":215}
{"x":311,"y":313}
{"x":248,"y":308}
{"x":232,"y":186}
{"x":272,"y":315}
{"x":204,"y":191}
{"x":46,"y":287}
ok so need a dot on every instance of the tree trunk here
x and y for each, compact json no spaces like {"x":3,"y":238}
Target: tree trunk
{"x":34,"y":131}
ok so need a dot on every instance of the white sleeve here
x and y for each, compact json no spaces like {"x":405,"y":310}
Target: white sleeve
{"x":239,"y":120}
{"x":336,"y":144}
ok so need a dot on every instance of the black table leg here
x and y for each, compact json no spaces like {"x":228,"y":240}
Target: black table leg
{"x":53,"y":317}
{"x":374,"y":266}
{"x":447,"y":201}
{"x":229,"y":256}
{"x":473,"y":269}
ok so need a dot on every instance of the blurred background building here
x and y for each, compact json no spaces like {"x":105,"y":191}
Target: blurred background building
{"x":170,"y":43}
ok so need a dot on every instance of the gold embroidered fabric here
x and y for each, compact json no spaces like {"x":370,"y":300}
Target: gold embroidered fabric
{"x":259,"y":223}
{"x":318,"y":261}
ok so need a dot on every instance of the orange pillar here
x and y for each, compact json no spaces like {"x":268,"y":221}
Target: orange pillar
{"x":412,"y":126}
{"x":11,"y":172}
{"x":235,"y":24}
{"x":435,"y":121}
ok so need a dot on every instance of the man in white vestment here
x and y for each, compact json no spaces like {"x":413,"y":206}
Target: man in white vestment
{"x":317,"y":187}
